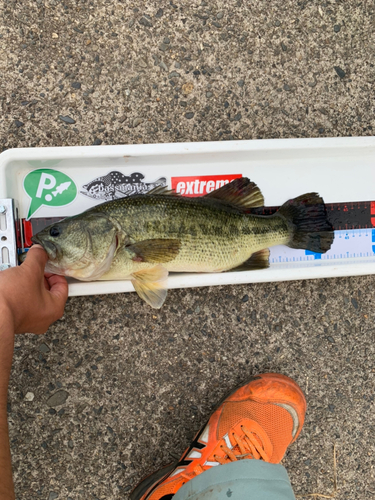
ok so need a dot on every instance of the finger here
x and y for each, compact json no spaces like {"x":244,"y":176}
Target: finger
{"x":54,"y":279}
{"x":48,"y":275}
{"x":58,"y":288}
{"x":46,"y":284}
{"x":58,"y":295}
{"x":36,"y":258}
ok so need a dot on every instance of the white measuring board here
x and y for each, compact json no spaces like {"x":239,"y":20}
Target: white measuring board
{"x":341,"y":170}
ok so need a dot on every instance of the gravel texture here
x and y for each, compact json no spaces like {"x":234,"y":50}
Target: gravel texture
{"x":115,"y":390}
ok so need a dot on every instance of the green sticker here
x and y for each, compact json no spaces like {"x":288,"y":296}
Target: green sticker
{"x":48,"y":187}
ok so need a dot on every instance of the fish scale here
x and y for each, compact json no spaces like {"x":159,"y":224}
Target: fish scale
{"x":213,"y":236}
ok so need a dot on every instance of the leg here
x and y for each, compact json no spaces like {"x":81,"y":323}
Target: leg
{"x":241,"y":480}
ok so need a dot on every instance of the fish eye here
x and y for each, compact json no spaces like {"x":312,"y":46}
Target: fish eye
{"x":54,"y":231}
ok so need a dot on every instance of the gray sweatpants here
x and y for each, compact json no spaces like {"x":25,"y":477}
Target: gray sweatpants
{"x":242,"y":480}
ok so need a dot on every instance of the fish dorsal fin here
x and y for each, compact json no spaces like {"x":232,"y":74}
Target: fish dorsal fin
{"x":155,"y":251}
{"x":240,"y":192}
{"x":258,"y":260}
{"x":164,"y":190}
{"x":151,"y":285}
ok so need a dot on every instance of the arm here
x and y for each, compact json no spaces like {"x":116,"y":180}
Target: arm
{"x":6,"y":354}
{"x":29,"y":302}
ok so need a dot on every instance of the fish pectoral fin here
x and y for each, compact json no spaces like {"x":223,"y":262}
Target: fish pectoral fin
{"x":151,"y":285}
{"x":241,"y":192}
{"x":258,"y":260}
{"x":154,"y":251}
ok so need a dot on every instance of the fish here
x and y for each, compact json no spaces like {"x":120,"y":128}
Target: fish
{"x":145,"y":236}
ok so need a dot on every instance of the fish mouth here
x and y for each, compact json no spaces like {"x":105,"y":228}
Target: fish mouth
{"x":51,"y":249}
{"x":36,"y":240}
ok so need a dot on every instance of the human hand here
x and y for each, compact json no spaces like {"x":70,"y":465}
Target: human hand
{"x":29,"y":298}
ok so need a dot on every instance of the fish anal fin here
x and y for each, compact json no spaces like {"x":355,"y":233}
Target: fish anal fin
{"x":154,"y":251}
{"x":240,"y":192}
{"x":151,"y":285}
{"x":258,"y":260}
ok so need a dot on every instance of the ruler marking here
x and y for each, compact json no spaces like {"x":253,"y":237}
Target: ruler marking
{"x":344,"y":215}
{"x":352,"y":244}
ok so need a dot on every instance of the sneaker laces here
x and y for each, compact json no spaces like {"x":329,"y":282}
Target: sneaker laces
{"x":249,"y":446}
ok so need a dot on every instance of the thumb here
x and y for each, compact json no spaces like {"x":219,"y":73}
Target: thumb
{"x":36,"y":258}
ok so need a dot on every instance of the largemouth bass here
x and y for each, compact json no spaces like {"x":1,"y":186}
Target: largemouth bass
{"x":144,"y":237}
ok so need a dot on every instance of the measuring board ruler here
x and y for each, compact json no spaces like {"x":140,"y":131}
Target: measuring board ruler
{"x":353,"y":223}
{"x":354,"y":226}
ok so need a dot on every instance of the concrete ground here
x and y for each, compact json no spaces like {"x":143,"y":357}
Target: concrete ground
{"x":120,"y":389}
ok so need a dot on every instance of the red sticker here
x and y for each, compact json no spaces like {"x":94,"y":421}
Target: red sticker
{"x":373,"y":213}
{"x":27,"y":232}
{"x":200,"y":185}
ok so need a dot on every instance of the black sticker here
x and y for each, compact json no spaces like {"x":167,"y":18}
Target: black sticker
{"x":116,"y":185}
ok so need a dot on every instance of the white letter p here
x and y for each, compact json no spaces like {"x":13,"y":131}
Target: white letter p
{"x":44,"y":185}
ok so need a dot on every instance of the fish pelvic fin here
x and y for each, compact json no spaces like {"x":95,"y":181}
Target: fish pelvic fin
{"x":310,"y":227}
{"x":151,"y":285}
{"x":258,"y":260}
{"x":154,"y":251}
{"x":241,"y":193}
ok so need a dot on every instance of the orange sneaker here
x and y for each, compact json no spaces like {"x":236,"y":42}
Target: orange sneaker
{"x":259,"y":420}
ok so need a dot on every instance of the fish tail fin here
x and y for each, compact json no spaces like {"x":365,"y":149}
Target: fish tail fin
{"x":307,"y":217}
